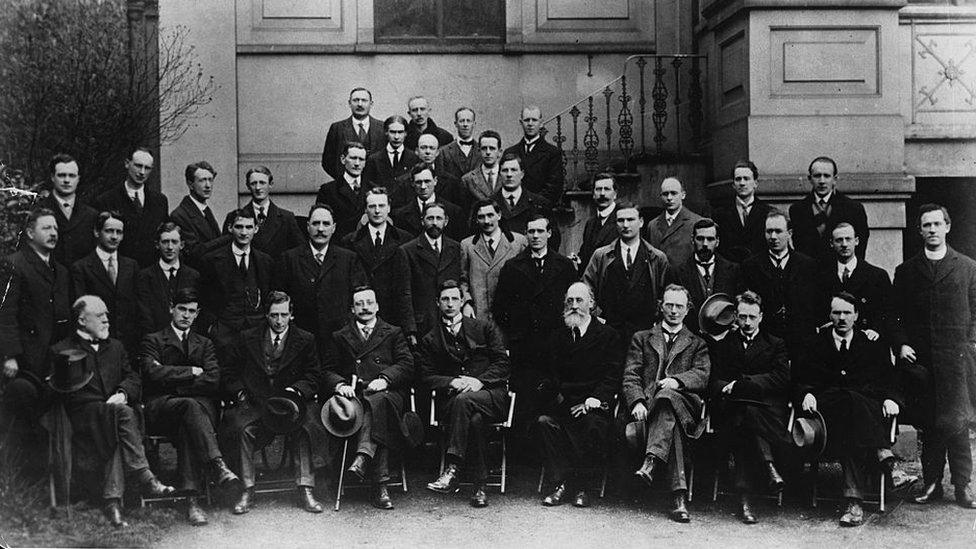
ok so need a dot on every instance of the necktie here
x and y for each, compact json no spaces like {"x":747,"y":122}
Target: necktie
{"x":706,"y":274}
{"x":491,"y":180}
{"x":745,"y":343}
{"x":113,"y":273}
{"x":67,"y":210}
{"x":319,"y":257}
{"x":243,"y":264}
{"x":355,"y":185}
{"x":629,"y":262}
{"x":846,"y":275}
{"x":366,"y":331}
{"x":185,"y":340}
{"x":843,"y":346}
{"x":277,"y":341}
{"x":437,"y":249}
{"x":491,"y":247}
{"x":396,"y":158}
{"x":261,"y":216}
{"x":669,"y":220}
{"x":172,"y":281}
{"x":211,"y":221}
{"x":528,"y":147}
{"x":743,"y":214}
{"x":378,"y":241}
{"x":361,"y":135}
{"x":576,"y":334}
{"x":778,"y":261}
{"x":539,"y":264}
{"x":511,"y":201}
{"x":137,"y":201}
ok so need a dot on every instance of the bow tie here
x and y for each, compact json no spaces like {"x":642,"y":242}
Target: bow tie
{"x":95,"y":341}
{"x":466,"y":143}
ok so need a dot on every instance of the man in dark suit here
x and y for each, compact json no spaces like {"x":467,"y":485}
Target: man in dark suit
{"x":273,"y":363}
{"x":34,"y":314}
{"x":815,"y":216}
{"x":448,"y":186}
{"x":749,"y":396}
{"x":786,"y":281}
{"x":705,"y":273}
{"x":518,"y":204}
{"x":234,"y":281}
{"x":389,"y":166}
{"x":528,"y":308}
{"x":377,"y":354}
{"x":102,"y":419}
{"x":199,"y":228}
{"x":320,"y":277}
{"x":360,"y":127}
{"x":106,"y":273}
{"x":376,"y":245}
{"x":421,"y":123}
{"x":481,"y":182}
{"x":181,"y":380}
{"x":157,"y":284}
{"x":601,"y":229}
{"x":277,"y":229}
{"x":464,"y":360}
{"x":542,"y":161}
{"x":868,"y":283}
{"x":75,"y":218}
{"x":346,"y":194}
{"x":581,"y":372}
{"x":671,"y":231}
{"x":142,"y":208}
{"x":742,"y":217}
{"x":425,"y":179}
{"x":463,"y":155}
{"x":843,"y":375}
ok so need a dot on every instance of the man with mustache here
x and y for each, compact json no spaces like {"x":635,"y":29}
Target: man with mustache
{"x":360,"y":127}
{"x":600,"y":229}
{"x":426,"y":182}
{"x":706,"y":273}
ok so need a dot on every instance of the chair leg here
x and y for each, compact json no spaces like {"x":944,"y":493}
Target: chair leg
{"x":342,"y":470}
{"x":542,"y":476}
{"x":443,"y":452}
{"x":779,"y":499}
{"x":881,"y":498}
{"x":603,"y":483}
{"x":715,"y":486}
{"x":403,"y":474}
{"x":814,"y":469}
{"x":504,"y":461}
{"x":691,"y":483}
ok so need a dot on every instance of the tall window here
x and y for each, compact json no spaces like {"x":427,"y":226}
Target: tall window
{"x":439,"y":21}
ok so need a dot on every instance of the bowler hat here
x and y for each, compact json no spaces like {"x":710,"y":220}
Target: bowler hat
{"x":342,"y":416}
{"x":70,"y":371}
{"x":810,"y":433}
{"x":284,"y":412}
{"x":412,"y":429}
{"x":636,"y":434}
{"x":716,"y":314}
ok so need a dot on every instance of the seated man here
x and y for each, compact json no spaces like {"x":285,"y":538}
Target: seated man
{"x":749,"y":393}
{"x":378,"y":355}
{"x":665,"y":373}
{"x":103,"y":423}
{"x":843,"y":376}
{"x":464,"y":360}
{"x":583,"y":369}
{"x":263,"y":364}
{"x":181,"y":376}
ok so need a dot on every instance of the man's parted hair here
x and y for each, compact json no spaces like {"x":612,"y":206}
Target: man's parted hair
{"x":421,"y":167}
{"x":191,"y":170}
{"x":931,"y":207}
{"x":704,"y":223}
{"x":490,"y":134}
{"x":474,"y":116}
{"x":257,"y":169}
{"x":749,"y":297}
{"x":827,"y":159}
{"x":677,"y":288}
{"x":449,"y":284}
{"x":60,"y":158}
{"x":847,"y":297}
{"x":102,"y":217}
{"x":38,"y":213}
{"x":779,"y":213}
{"x":167,"y":227}
{"x":394,"y":119}
{"x":276,"y":296}
{"x":746,"y":164}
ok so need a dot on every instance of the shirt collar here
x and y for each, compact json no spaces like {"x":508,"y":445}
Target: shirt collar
{"x":283,"y":335}
{"x":180,"y":334}
{"x":166,"y":267}
{"x":131,"y":191}
{"x":495,"y":236}
{"x":324,"y":250}
{"x":605,"y":212}
{"x":744,"y":204}
{"x":364,"y":122}
{"x":850,"y":266}
{"x":668,"y":329}
{"x":433,"y":241}
{"x":421,"y":203}
{"x":64,"y":200}
{"x":837,"y":338}
{"x":817,"y":198}
{"x":238,"y":251}
{"x":390,"y":150}
{"x":45,"y":258}
{"x":257,"y":208}
{"x":350,"y":179}
{"x":200,"y":205}
{"x":750,"y":339}
{"x":538,"y":255}
{"x":86,"y":337}
{"x":671,"y":217}
{"x":103,"y":255}
{"x":517,"y":193}
{"x":382,"y":230}
{"x":489,"y":171}
{"x":371,"y":324}
{"x":532,"y":141}
{"x":453,"y":321}
{"x":784,"y":255}
{"x":585,"y":325}
{"x":937,"y":254}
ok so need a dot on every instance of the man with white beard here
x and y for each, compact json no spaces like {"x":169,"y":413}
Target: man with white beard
{"x":579,"y":379}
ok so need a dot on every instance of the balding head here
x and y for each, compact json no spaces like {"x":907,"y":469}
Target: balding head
{"x":672,"y":194}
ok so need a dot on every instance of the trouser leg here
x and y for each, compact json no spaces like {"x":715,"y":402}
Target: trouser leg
{"x":380,"y":467}
{"x":252,"y":438}
{"x":933,"y":456}
{"x":365,"y":443}
{"x":478,"y":449}
{"x":129,"y":439}
{"x":196,"y":441}
{"x":302,"y":451}
{"x":113,"y":476}
{"x":676,"y":461}
{"x":960,"y":458}
{"x":660,"y":430}
{"x":854,"y":476}
{"x":554,"y":446}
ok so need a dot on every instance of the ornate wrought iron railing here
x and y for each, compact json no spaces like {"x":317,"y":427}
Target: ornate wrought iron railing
{"x":660,"y":113}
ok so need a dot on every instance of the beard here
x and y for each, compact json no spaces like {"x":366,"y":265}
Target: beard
{"x":433,"y":231}
{"x":704,"y":254}
{"x":574,"y":319}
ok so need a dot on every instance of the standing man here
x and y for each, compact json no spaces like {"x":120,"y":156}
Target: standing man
{"x":75,"y":218}
{"x":429,"y":152}
{"x":665,"y":375}
{"x":388,"y":167}
{"x":112,"y":277}
{"x":425,"y":180}
{"x":156,"y":285}
{"x":182,"y":381}
{"x":460,"y":157}
{"x":377,"y":355}
{"x":482,"y":258}
{"x":868,"y":283}
{"x":743,"y":217}
{"x":361,"y":127}
{"x":482,"y":182}
{"x":705,"y":273}
{"x":346,"y":194}
{"x":542,"y":161}
{"x":628,"y":276}
{"x":601,"y":229}
{"x":277,"y":228}
{"x":144,"y":208}
{"x":320,"y":277}
{"x":198,"y":226}
{"x":935,"y":329}
{"x":671,"y":231}
{"x":519,"y":204}
{"x":420,"y":123}
{"x":815,"y":216}
{"x":464,"y":360}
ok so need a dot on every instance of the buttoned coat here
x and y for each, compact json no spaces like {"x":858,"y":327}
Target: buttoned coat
{"x":761,"y":372}
{"x":658,"y":269}
{"x":688,"y":362}
{"x":348,"y":206}
{"x":89,"y":277}
{"x":477,"y":187}
{"x":140,"y":226}
{"x":220,"y":280}
{"x":380,"y":267}
{"x":675,"y":241}
{"x":423,"y":271}
{"x":480,"y":269}
{"x":167,"y":370}
{"x":452,"y":160}
{"x":199,"y":234}
{"x":529,"y":304}
{"x":543,"y":168}
{"x":842,"y":208}
{"x":590,"y":367}
{"x":408,"y":218}
{"x":153,"y":296}
{"x":380,"y":173}
{"x":872,"y":288}
{"x":737,"y":242}
{"x":278,"y":232}
{"x":596,"y":236}
{"x":789,"y":307}
{"x":725,"y":280}
{"x":344,"y":131}
{"x":76,"y":236}
{"x":487,"y":360}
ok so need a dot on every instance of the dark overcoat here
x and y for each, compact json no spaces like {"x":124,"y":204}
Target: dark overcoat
{"x":89,"y":277}
{"x":737,"y":242}
{"x":153,"y":295}
{"x":278,"y":232}
{"x":140,"y":224}
{"x":590,"y":367}
{"x":166,"y":371}
{"x":841,"y":209}
{"x":348,"y":206}
{"x":725,"y":280}
{"x":596,"y":236}
{"x":380,"y":266}
{"x":423,"y":271}
{"x":486,"y":358}
{"x":869,"y":284}
{"x":529,"y":304}
{"x":200,"y":233}
{"x":543,"y":168}
{"x":408,"y":218}
{"x":789,"y":299}
{"x":76,"y":236}
{"x":343,"y":131}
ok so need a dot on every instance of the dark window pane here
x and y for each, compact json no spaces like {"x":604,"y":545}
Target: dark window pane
{"x":405,"y":18}
{"x":474,"y":18}
{"x":439,"y":20}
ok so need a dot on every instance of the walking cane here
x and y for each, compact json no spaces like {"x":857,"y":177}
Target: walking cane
{"x":342,"y":463}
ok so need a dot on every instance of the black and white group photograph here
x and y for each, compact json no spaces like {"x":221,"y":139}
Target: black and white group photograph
{"x":487,"y":273}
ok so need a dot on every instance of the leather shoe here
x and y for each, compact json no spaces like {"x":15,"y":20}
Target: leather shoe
{"x":194,"y":513}
{"x":221,"y":474}
{"x":448,"y":482}
{"x":382,"y":499}
{"x":963,"y":498}
{"x":154,"y":488}
{"x":307,"y":501}
{"x":358,"y":467}
{"x":243,"y":504}
{"x":932,"y":492}
{"x":646,"y":472}
{"x":854,"y":515}
{"x":776,"y":482}
{"x":582,"y":499}
{"x":479,"y":498}
{"x":556,"y":497}
{"x":746,"y":512}
{"x":680,"y":513}
{"x":113,"y":512}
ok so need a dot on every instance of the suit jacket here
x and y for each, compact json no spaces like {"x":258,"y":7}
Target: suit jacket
{"x":596,"y":236}
{"x":407,"y":217}
{"x":543,"y":168}
{"x":865,"y":369}
{"x":380,"y":266}
{"x":737,"y":242}
{"x":343,"y":131}
{"x":528,"y":304}
{"x":452,"y":161}
{"x":166,"y":368}
{"x":761,"y":372}
{"x":153,"y":295}
{"x":486,"y":358}
{"x":140,"y":226}
{"x":385,"y":354}
{"x":675,"y":241}
{"x":321,"y":294}
{"x":76,"y":236}
{"x":200,"y":234}
{"x":36,"y":311}
{"x":113,"y":372}
{"x":222,"y":287}
{"x":790,"y":302}
{"x":278,"y":232}
{"x":658,"y":268}
{"x":480,"y":269}
{"x":413,"y":134}
{"x":423,"y":271}
{"x":517,"y":219}
{"x":869,"y":284}
{"x":348,"y":206}
{"x":841,"y":209}
{"x":380,"y":173}
{"x":590,"y":367}
{"x":725,"y":280}
{"x":476,"y":186}
{"x":89,"y":277}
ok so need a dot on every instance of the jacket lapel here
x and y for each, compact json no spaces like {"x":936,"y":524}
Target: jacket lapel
{"x":682,"y":341}
{"x":47,"y":273}
{"x":481,"y":249}
{"x":949,"y":264}
{"x":426,"y":253}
